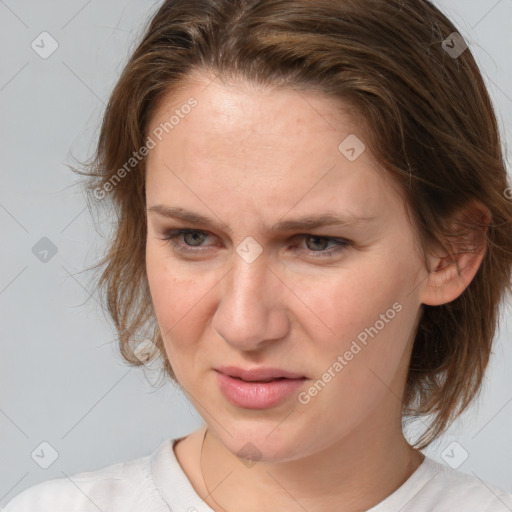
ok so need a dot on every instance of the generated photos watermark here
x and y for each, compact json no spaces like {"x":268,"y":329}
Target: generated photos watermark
{"x":357,"y":345}
{"x":137,"y":156}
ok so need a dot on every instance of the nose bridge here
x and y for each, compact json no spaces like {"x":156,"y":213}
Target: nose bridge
{"x":250,"y":273}
{"x":246,"y":288}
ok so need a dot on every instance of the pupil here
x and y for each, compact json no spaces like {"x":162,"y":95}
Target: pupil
{"x":194,"y":235}
{"x":321,"y":241}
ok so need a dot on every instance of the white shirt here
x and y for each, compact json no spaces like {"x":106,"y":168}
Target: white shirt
{"x":156,"y":483}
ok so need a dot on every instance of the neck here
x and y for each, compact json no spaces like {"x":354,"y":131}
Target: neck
{"x":350,"y":475}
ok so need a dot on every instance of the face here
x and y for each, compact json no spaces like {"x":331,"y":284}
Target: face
{"x":249,"y":287}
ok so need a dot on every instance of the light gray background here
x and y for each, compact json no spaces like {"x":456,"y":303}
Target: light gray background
{"x":62,"y":379}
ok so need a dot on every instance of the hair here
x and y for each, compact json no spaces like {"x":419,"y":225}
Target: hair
{"x":429,"y":122}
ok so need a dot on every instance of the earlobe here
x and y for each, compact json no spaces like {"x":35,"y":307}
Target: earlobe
{"x":451,"y":272}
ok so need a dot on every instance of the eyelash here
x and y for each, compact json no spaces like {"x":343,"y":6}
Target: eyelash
{"x":342,"y":243}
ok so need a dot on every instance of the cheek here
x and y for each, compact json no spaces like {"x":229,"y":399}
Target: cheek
{"x":179,"y":300}
{"x":347,"y":301}
{"x":365,"y":316}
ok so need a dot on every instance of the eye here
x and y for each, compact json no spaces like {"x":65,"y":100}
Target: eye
{"x":321,"y":241}
{"x":193,"y":239}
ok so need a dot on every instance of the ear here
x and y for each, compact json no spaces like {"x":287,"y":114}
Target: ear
{"x":454,"y":266}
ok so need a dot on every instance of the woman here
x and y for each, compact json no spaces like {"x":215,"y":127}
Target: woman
{"x":313,"y":218}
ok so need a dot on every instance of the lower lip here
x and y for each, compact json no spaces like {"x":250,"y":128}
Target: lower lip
{"x":257,"y":395}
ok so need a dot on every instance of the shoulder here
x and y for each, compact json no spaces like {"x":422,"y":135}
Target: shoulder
{"x":122,"y":486}
{"x":448,"y":489}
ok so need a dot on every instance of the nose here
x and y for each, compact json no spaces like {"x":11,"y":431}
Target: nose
{"x":251,"y":311}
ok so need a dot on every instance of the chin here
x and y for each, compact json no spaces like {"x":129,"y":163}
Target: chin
{"x":261,"y":443}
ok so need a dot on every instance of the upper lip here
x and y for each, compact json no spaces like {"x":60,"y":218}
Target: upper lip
{"x":258,"y":373}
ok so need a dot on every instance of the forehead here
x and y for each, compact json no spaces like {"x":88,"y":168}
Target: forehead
{"x":273,"y":149}
{"x":277,"y":116}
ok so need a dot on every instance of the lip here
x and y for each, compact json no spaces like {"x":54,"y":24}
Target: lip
{"x":257,"y":394}
{"x":258,"y":373}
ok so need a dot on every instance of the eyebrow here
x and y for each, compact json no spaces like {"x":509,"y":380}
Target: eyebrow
{"x":309,"y":222}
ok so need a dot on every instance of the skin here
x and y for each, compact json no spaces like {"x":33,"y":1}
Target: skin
{"x":248,"y":158}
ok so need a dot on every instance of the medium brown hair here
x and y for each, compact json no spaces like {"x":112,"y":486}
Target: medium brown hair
{"x":429,"y":121}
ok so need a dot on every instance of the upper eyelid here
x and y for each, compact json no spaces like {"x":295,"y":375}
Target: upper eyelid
{"x":205,"y":231}
{"x":181,"y":231}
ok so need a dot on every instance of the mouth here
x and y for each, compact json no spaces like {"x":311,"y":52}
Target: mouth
{"x":259,"y":380}
{"x":258,"y":389}
{"x":259,"y":374}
